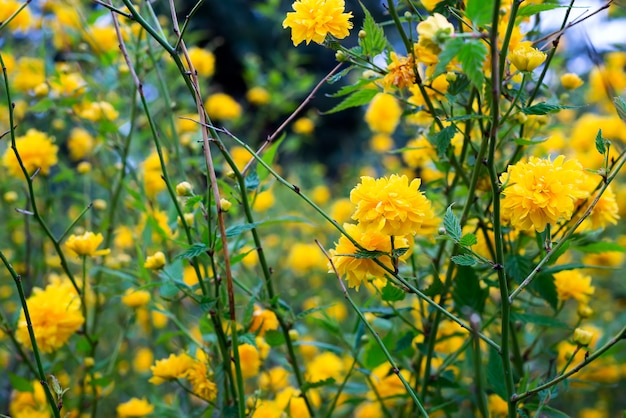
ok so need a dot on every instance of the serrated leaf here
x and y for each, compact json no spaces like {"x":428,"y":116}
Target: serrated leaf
{"x":391,"y":293}
{"x":274,"y":338}
{"x":192,"y":201}
{"x":374,"y":41}
{"x":193,"y":250}
{"x":320,"y":383}
{"x":450,"y":50}
{"x":399,"y":252}
{"x":368,"y":254}
{"x":495,"y":374}
{"x":458,"y":86}
{"x":468,"y":240}
{"x":544,"y":108}
{"x":620,"y":106}
{"x":358,"y":98}
{"x":464,"y":260}
{"x":600,"y":145}
{"x":533,"y":9}
{"x":442,"y":139}
{"x":479,"y":11}
{"x":20,"y":383}
{"x":452,"y":225}
{"x":345,"y":90}
{"x":463,"y":118}
{"x":542,"y":320}
{"x":467,"y":291}
{"x":600,"y":247}
{"x":472,"y":56}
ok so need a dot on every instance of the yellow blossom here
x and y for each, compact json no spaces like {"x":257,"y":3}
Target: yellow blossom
{"x":312,"y":20}
{"x":198,"y":375}
{"x":324,"y":366}
{"x":392,"y":206}
{"x":572,"y":284}
{"x":263,"y":201}
{"x":303,"y":126}
{"x":55,"y":313}
{"x":171,"y":368}
{"x":606,"y":210}
{"x":383,"y":113}
{"x":22,"y":22}
{"x":86,"y":244}
{"x":203,"y":61}
{"x":526,"y":58}
{"x":222,"y":106}
{"x":274,"y":379}
{"x":356,"y":270}
{"x":184,"y":188}
{"x":258,"y":96}
{"x":250,"y":359}
{"x":541,"y":192}
{"x":68,"y":84}
{"x":433,"y":31}
{"x":152,"y":175}
{"x":29,"y":73}
{"x":498,"y":407}
{"x":263,"y":320}
{"x":102,"y":39}
{"x":400,"y":72}
{"x":80,"y":143}
{"x":143,"y":359}
{"x":134,"y":408}
{"x":320,"y":194}
{"x":30,"y":404}
{"x":155,"y":261}
{"x":36,"y":150}
{"x":418,"y":151}
{"x":571,"y":81}
{"x":341,"y":210}
{"x":135,"y":298}
{"x":96,"y":111}
{"x":582,"y":337}
{"x":381,"y":143}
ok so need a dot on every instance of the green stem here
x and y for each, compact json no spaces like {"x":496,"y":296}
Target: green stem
{"x":31,"y":334}
{"x":507,"y":36}
{"x":515,"y":100}
{"x":6,"y":22}
{"x":478,"y":368}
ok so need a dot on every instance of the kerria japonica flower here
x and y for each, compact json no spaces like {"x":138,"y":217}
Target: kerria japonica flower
{"x":312,"y":20}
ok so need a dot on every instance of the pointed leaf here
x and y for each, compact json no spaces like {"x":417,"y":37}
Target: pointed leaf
{"x":620,"y":106}
{"x":600,"y":145}
{"x":479,"y":11}
{"x":358,"y":98}
{"x":472,"y":56}
{"x":468,"y":240}
{"x":374,"y":41}
{"x":391,"y":293}
{"x":544,"y":108}
{"x":452,"y":225}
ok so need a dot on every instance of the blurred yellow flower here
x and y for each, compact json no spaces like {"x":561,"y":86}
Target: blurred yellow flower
{"x":68,"y":84}
{"x":381,"y":143}
{"x":155,"y":261}
{"x":80,"y":143}
{"x":571,"y":81}
{"x":418,"y":151}
{"x":55,"y":313}
{"x":23,"y":21}
{"x":30,"y":404}
{"x":250,"y":360}
{"x":324,"y":366}
{"x":152,"y":175}
{"x":221,"y":106}
{"x":202,"y":60}
{"x":134,"y":408}
{"x":390,"y":205}
{"x":582,"y":337}
{"x":498,"y":407}
{"x":572,"y":284}
{"x":303,"y":258}
{"x":171,"y":368}
{"x":433,"y":31}
{"x":86,"y":244}
{"x":383,"y":113}
{"x":263,"y":201}
{"x":135,"y":298}
{"x":29,"y":73}
{"x":36,"y":150}
{"x":96,"y":111}
{"x":342,"y":210}
{"x":303,"y":126}
{"x":263,"y":320}
{"x":258,"y":96}
{"x":312,"y":20}
{"x":274,"y":379}
{"x":526,"y":58}
{"x":143,"y":359}
{"x":541,"y":192}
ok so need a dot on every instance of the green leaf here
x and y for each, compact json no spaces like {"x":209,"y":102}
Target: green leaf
{"x":43,"y":105}
{"x":193,"y":250}
{"x":533,"y":9}
{"x":391,"y":293}
{"x":269,"y":157}
{"x":251,"y":182}
{"x":274,"y":338}
{"x":236,"y":230}
{"x":544,"y":108}
{"x":168,"y":290}
{"x":192,"y":201}
{"x":517,"y":267}
{"x":472,"y":56}
{"x":555,"y":255}
{"x":459,"y":86}
{"x":404,"y":342}
{"x":435,"y":288}
{"x":467,"y":290}
{"x":532,"y":141}
{"x":374,"y":41}
{"x":463,"y":118}
{"x":369,"y":254}
{"x":20,"y":383}
{"x":399,"y":252}
{"x":620,"y":106}
{"x":543,"y":320}
{"x":600,"y":144}
{"x":345,"y":90}
{"x":450,"y":50}
{"x":442,"y":139}
{"x":464,"y":260}
{"x":600,"y":247}
{"x":320,"y":383}
{"x":452,"y":225}
{"x":358,"y":98}
{"x":495,"y":374}
{"x":468,"y":240}
{"x":544,"y":287}
{"x":479,"y":11}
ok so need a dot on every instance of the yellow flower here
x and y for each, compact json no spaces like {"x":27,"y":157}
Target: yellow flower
{"x":96,"y":111}
{"x":152,"y":175}
{"x":143,"y":359}
{"x":582,"y":337}
{"x":184,"y":188}
{"x":342,"y":210}
{"x":605,"y":212}
{"x":80,"y":143}
{"x":203,"y":61}
{"x":86,"y":244}
{"x":250,"y":360}
{"x":526,"y":58}
{"x":400,"y":72}
{"x":28,"y":74}
{"x":274,"y":379}
{"x":171,"y":368}
{"x":312,"y":20}
{"x":497,"y":406}
{"x":572,"y":284}
{"x":264,"y":201}
{"x":198,"y":376}
{"x":320,"y":194}
{"x":392,"y":206}
{"x":571,"y":81}
{"x":383,"y":113}
{"x":324,"y":366}
{"x":263,"y":320}
{"x":135,"y":298}
{"x":156,"y":261}
{"x":356,"y":270}
{"x":36,"y":150}
{"x":55,"y":313}
{"x":258,"y":96}
{"x":433,"y":31}
{"x":102,"y":39}
{"x":68,"y":84}
{"x":23,"y":21}
{"x":418,"y":151}
{"x":222,"y":106}
{"x":541,"y":192}
{"x":30,"y":404}
{"x":303,"y":126}
{"x":381,"y":143}
{"x":134,"y":408}
{"x":388,"y":385}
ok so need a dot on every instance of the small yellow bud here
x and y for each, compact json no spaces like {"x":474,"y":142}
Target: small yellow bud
{"x":362,"y":34}
{"x":155,"y":261}
{"x":341,"y":56}
{"x":10,"y":197}
{"x":451,"y":76}
{"x":408,"y":15}
{"x":83,"y":167}
{"x":582,"y":337}
{"x":584,"y":311}
{"x":521,"y":117}
{"x":226,"y":204}
{"x":188,"y":219}
{"x":184,"y":189}
{"x":41,"y":90}
{"x":100,"y":204}
{"x":294,"y":335}
{"x":571,"y":81}
{"x":89,"y":362}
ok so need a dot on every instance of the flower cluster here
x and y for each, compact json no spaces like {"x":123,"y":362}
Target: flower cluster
{"x":312,"y":20}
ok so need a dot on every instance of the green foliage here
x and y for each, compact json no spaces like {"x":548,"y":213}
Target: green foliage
{"x":358,"y":98}
{"x":374,"y":41}
{"x":472,"y":57}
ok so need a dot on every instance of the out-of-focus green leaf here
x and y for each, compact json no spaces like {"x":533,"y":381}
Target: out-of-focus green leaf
{"x":358,"y":98}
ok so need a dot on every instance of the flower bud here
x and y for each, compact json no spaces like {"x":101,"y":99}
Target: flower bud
{"x":571,"y":81}
{"x":10,"y":197}
{"x":83,"y":167}
{"x":155,"y":261}
{"x":362,"y":34}
{"x":184,"y":189}
{"x":341,"y":56}
{"x":526,"y":58}
{"x":582,"y":337}
{"x":451,"y":76}
{"x":226,"y":204}
{"x":584,"y":311}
